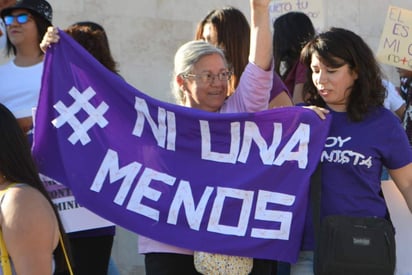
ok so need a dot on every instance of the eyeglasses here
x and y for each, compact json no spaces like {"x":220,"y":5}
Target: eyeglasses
{"x":207,"y":78}
{"x":21,"y":18}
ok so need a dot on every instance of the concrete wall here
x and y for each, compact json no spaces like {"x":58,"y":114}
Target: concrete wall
{"x":144,"y":35}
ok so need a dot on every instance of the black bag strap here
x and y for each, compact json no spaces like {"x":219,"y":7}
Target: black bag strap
{"x":315,"y":198}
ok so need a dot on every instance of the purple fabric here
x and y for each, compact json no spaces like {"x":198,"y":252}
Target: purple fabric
{"x":182,"y":176}
{"x":297,"y":75}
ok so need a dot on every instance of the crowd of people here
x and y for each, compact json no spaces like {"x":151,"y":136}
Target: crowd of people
{"x":27,"y":22}
{"x":230,"y":66}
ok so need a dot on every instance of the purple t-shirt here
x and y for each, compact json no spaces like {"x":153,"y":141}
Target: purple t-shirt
{"x":352,"y":163}
{"x":297,"y":75}
{"x":278,"y":87}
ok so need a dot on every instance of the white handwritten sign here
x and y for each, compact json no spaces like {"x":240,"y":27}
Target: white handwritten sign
{"x":73,"y":216}
{"x":313,"y":9}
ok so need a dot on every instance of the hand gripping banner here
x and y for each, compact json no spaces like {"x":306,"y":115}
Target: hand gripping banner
{"x":228,"y":183}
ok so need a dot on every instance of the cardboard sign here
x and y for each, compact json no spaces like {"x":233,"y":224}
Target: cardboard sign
{"x":313,"y":9}
{"x":395,"y":47}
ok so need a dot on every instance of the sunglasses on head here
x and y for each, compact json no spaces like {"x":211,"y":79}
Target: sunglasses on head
{"x":21,"y":18}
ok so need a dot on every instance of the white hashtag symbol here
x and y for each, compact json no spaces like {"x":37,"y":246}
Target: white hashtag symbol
{"x":68,"y":115}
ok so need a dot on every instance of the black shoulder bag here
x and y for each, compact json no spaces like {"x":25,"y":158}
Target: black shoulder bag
{"x":348,"y":245}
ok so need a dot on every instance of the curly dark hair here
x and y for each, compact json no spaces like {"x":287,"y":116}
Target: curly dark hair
{"x":335,"y":48}
{"x":93,"y":38}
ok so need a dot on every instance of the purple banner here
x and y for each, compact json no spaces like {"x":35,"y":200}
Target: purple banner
{"x":228,"y":183}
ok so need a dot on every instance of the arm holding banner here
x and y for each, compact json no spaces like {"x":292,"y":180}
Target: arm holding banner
{"x":50,"y":37}
{"x":356,"y":110}
{"x":84,"y":227}
{"x":150,"y":166}
{"x":249,"y":96}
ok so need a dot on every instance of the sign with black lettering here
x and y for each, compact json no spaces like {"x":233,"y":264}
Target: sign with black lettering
{"x":395,"y":47}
